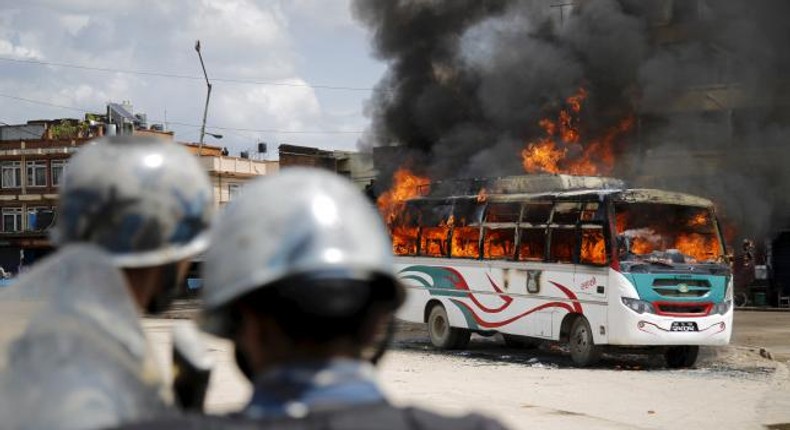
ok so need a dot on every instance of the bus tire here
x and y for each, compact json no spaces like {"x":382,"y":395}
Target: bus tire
{"x":584,"y":352}
{"x":443,"y":336}
{"x":681,"y":357}
{"x":519,"y":342}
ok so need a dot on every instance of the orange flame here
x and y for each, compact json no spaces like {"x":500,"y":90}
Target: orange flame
{"x":433,"y":241}
{"x":499,"y":243}
{"x":593,"y":249}
{"x":552,"y":152}
{"x":406,"y":185}
{"x":466,"y":242}
{"x":404,"y":240}
{"x":699,"y":247}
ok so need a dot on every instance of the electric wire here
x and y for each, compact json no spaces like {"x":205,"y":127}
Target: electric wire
{"x":185,"y":124}
{"x":185,"y":77}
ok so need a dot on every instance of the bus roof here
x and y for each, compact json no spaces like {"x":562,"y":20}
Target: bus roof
{"x":644,"y":195}
{"x":636,"y":195}
{"x":523,"y":184}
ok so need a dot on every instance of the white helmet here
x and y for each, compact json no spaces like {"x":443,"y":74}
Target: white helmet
{"x":146,"y":201}
{"x":305,"y":224}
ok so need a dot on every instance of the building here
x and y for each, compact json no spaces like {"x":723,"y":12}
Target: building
{"x":33,"y":157}
{"x":228,"y":174}
{"x":356,"y":166}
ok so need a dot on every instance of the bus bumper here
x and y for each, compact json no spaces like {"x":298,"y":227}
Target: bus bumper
{"x":650,"y":329}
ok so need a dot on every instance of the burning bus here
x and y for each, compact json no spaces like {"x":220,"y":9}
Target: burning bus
{"x":582,"y":260}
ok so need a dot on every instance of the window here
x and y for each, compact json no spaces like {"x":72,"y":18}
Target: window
{"x":532,"y":246}
{"x":39,"y":218}
{"x":532,"y":236}
{"x":57,"y":167}
{"x":536,"y":213}
{"x":562,"y":234}
{"x":12,"y":219}
{"x":566,"y":213}
{"x":499,"y":243}
{"x":36,"y":173}
{"x":435,"y":231}
{"x":593,"y":240}
{"x":405,"y":231}
{"x":467,"y":215}
{"x":233,"y":190}
{"x":563,"y":244}
{"x":503,"y":212}
{"x":593,"y":246}
{"x":11,"y":174}
{"x":593,"y":212}
{"x":499,"y":240}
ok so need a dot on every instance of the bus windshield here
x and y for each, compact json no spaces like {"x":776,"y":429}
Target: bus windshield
{"x":667,"y":232}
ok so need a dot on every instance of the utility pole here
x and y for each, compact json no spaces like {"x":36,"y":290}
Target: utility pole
{"x":208,"y":97}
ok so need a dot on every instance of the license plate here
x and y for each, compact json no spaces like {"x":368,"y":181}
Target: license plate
{"x":683,"y":326}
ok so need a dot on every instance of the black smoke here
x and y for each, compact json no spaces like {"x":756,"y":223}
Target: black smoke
{"x":468,"y":81}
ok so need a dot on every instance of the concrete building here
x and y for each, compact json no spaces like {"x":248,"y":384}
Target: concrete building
{"x":33,"y":157}
{"x":228,"y":174}
{"x":356,"y":166}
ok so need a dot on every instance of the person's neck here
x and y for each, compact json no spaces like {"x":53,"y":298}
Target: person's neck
{"x":141,"y":284}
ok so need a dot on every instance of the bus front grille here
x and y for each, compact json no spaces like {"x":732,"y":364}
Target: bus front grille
{"x":681,"y":288}
{"x":683,"y":309}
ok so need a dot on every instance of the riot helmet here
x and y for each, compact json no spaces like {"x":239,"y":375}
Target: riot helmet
{"x":146,"y":201}
{"x":308,"y":234}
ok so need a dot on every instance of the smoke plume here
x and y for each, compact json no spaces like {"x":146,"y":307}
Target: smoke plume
{"x":469,"y":80}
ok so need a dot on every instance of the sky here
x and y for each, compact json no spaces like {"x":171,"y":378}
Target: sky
{"x":285,"y":51}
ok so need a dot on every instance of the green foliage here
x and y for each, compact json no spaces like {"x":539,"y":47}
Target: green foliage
{"x":69,"y":130}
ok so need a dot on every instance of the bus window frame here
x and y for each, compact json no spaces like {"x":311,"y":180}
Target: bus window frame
{"x":478,"y":223}
{"x":604,"y":208}
{"x":523,"y":225}
{"x":422,"y":206}
{"x":486,"y":226}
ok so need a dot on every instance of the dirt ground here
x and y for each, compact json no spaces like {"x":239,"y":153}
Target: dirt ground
{"x":731,"y":388}
{"x":736,"y":387}
{"x":769,"y":330}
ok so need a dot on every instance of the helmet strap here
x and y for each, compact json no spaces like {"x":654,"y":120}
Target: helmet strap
{"x":243,"y":364}
{"x":383,"y":345}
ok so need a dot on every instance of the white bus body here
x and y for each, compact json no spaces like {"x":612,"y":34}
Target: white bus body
{"x":659,"y":299}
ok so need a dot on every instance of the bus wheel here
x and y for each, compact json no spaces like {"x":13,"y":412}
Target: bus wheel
{"x":584,"y":352}
{"x":442,"y":335}
{"x":519,"y":342}
{"x":680,"y":357}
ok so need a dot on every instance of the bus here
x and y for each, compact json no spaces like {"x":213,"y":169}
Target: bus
{"x":580,"y":260}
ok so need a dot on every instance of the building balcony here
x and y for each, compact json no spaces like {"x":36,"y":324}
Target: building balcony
{"x":235,"y":166}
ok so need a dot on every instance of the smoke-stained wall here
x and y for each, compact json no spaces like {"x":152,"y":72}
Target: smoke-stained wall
{"x":469,"y":80}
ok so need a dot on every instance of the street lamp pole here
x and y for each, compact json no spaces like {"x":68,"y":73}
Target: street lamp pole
{"x":208,"y":97}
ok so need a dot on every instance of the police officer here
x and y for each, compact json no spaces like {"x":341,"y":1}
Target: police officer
{"x":132,"y":213}
{"x":300,"y":278}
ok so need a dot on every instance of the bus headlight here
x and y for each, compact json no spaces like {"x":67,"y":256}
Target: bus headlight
{"x":722,"y":308}
{"x":638,"y":306}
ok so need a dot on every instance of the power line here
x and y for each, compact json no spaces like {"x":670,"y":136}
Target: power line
{"x":44,"y":103}
{"x":185,"y":124}
{"x":271,"y":130}
{"x":186,"y":77}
